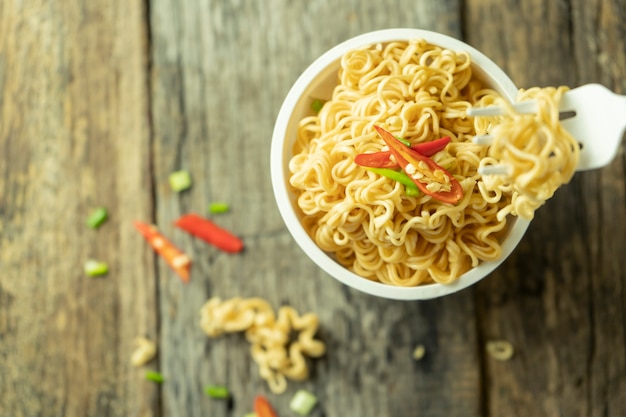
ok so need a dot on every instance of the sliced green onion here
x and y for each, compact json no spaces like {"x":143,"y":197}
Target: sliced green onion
{"x":180,"y":180}
{"x":218,"y":208}
{"x":95,"y":268}
{"x":404,"y":141}
{"x":410,"y":188}
{"x":250,"y":415}
{"x":154,"y":376}
{"x":97,"y":217}
{"x":317,"y":105}
{"x":216,"y":391}
{"x":303,"y":402}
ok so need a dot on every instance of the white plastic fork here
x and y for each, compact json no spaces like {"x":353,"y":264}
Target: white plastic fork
{"x":592,"y":114}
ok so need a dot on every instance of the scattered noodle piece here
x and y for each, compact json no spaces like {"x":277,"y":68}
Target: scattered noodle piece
{"x":234,"y":315}
{"x":419,"y":352}
{"x":500,"y":350}
{"x":145,"y":351}
{"x":279,"y":354}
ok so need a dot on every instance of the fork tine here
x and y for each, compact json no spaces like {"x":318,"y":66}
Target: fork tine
{"x":528,"y":106}
{"x":482,"y":139}
{"x":592,"y":114}
{"x":500,"y":169}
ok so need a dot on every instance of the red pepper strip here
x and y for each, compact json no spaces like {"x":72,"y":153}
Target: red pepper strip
{"x":406,"y":156}
{"x":210,"y":232}
{"x":381,"y":159}
{"x":263,"y":408}
{"x":432,"y":147}
{"x":174,"y":257}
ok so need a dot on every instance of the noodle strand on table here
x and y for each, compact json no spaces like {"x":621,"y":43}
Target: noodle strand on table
{"x":279,"y":343}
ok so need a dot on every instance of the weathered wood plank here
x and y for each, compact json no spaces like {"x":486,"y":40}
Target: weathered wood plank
{"x":600,"y":48}
{"x":84,"y":86}
{"x":560,"y":298}
{"x":221,"y":71}
{"x":74,"y":134}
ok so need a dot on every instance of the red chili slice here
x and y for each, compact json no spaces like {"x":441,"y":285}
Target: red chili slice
{"x":381,"y":159}
{"x":210,"y":232}
{"x":174,"y":257}
{"x":262,"y":407}
{"x":406,"y":156}
{"x":432,"y":147}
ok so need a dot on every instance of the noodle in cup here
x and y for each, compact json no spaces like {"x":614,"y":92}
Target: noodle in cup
{"x":318,"y":81}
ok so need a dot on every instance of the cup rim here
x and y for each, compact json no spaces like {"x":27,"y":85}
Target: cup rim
{"x":279,"y":171}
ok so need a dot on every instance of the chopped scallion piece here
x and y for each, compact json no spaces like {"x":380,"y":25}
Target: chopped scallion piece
{"x":180,"y":180}
{"x":95,"y":268}
{"x":216,"y":391}
{"x":250,"y":415}
{"x":218,"y":208}
{"x":154,"y":377}
{"x":97,"y":217}
{"x":317,"y":105}
{"x":303,"y":402}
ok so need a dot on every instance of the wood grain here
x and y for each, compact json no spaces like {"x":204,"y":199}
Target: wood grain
{"x":560,"y":298}
{"x":101,"y":101}
{"x":75,"y":135}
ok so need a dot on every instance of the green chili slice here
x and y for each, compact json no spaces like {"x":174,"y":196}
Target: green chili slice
{"x":404,"y":141}
{"x":303,"y":402}
{"x":410,"y":188}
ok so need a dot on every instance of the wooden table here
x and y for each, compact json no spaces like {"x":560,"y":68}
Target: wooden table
{"x":101,"y":100}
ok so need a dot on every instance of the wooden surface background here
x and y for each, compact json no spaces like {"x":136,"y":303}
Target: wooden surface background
{"x":101,"y":100}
